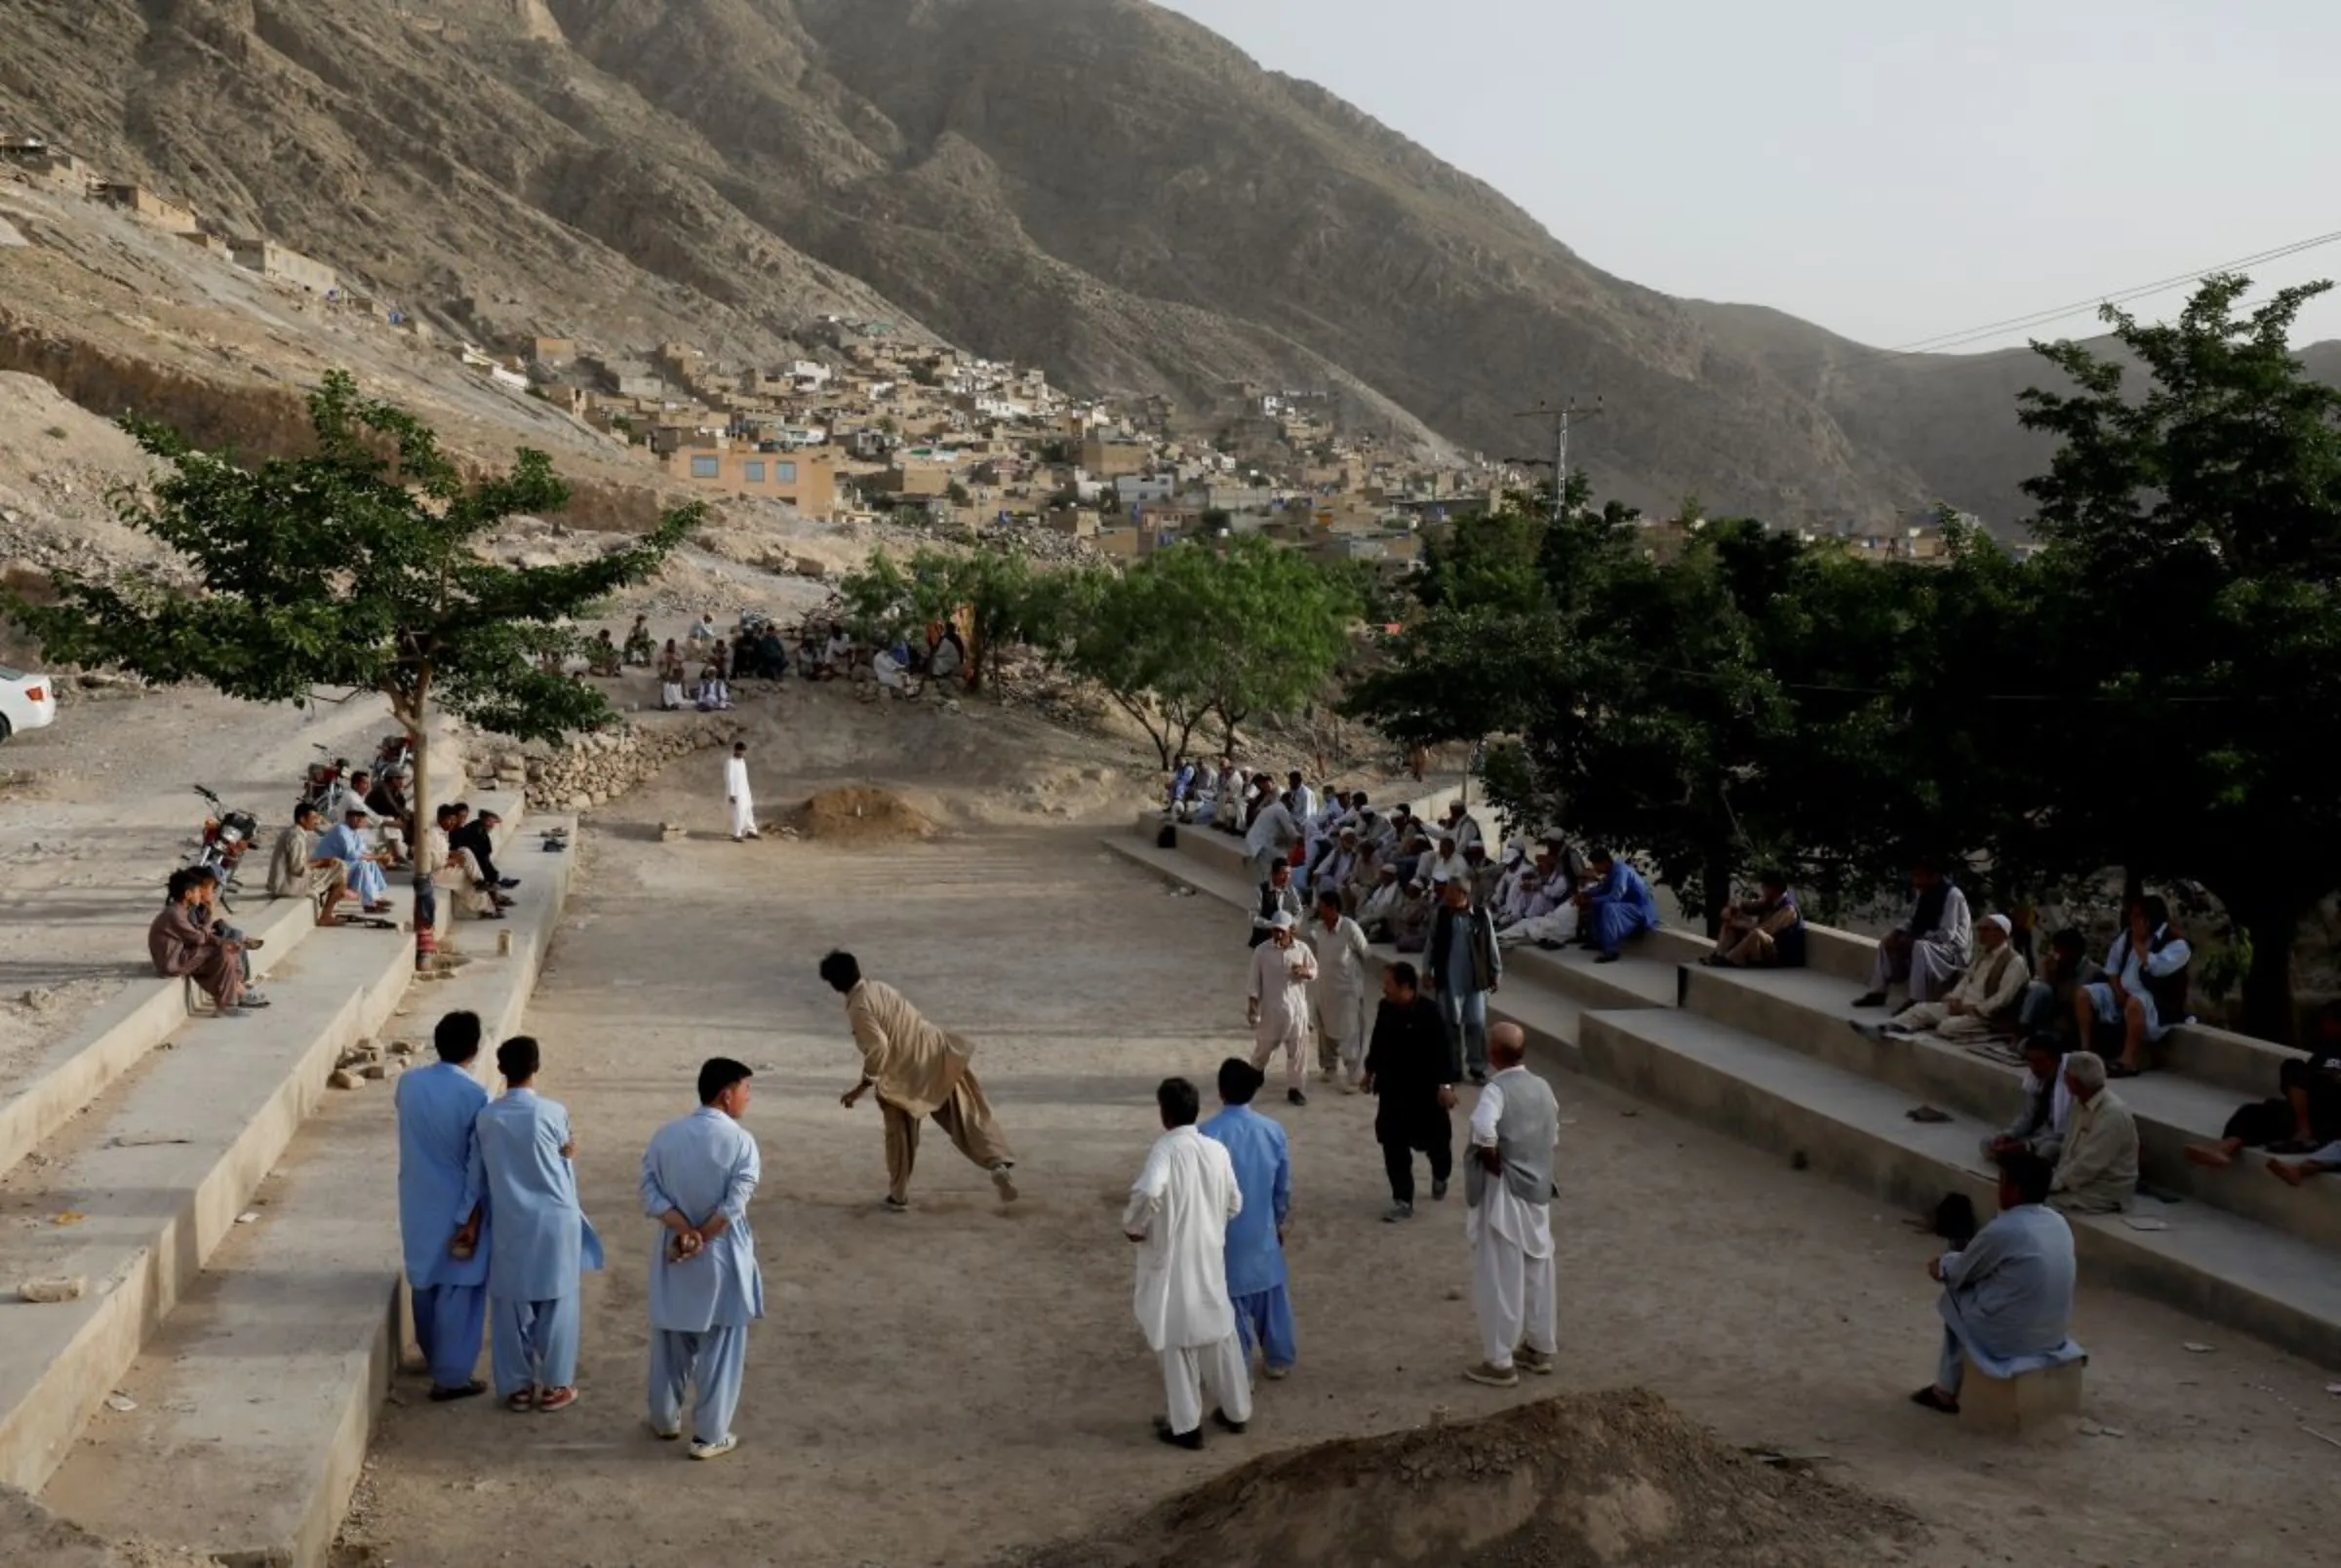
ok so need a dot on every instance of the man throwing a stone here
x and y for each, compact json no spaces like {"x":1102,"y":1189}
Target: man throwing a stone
{"x":918,"y":1071}
{"x":1509,"y":1186}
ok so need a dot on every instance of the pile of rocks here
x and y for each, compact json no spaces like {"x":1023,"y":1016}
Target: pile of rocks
{"x":596,"y":768}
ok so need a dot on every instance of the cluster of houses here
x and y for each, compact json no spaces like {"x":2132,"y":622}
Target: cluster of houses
{"x":884,"y":424}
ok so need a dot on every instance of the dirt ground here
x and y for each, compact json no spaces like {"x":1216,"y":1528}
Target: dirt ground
{"x":964,"y":1384}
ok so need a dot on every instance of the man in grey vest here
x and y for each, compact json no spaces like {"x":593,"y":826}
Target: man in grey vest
{"x":1509,"y":1188}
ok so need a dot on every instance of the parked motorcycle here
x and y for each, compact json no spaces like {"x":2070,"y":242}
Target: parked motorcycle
{"x":323,"y":779}
{"x":226,"y":833}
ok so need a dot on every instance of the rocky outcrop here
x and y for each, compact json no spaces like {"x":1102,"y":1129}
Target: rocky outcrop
{"x":594,"y":769}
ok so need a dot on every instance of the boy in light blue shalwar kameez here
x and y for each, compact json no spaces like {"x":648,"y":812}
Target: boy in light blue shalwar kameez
{"x":438,"y":1107}
{"x":697,"y":1175}
{"x":1255,"y":1250}
{"x":541,"y":1240}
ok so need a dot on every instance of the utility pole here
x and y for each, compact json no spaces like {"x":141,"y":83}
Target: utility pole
{"x":1569,"y":414}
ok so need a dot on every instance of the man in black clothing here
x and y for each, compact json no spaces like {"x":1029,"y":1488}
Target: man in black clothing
{"x":478,"y":835}
{"x":1411,"y":1067}
{"x":1278,"y":896}
{"x":2305,"y":1116}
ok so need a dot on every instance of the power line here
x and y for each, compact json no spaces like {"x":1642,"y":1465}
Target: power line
{"x":1944,"y":342}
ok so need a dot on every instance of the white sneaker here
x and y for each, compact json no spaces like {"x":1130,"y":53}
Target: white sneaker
{"x":715,"y":1450}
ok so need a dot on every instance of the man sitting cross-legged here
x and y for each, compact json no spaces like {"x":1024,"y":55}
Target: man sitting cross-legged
{"x":1983,"y":1002}
{"x":2008,"y":1295}
{"x":2305,"y":1116}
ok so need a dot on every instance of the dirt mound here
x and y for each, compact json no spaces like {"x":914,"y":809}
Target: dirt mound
{"x":1580,"y":1481}
{"x":861,"y":814}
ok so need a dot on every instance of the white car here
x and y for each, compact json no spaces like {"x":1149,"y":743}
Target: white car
{"x":26,"y":701}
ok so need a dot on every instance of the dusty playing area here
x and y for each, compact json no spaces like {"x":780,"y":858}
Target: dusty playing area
{"x":963,"y":1385}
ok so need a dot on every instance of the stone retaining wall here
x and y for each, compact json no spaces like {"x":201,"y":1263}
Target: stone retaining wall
{"x":594,"y":769}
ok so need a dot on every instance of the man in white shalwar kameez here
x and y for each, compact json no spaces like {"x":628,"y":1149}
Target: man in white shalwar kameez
{"x":1276,"y":1003}
{"x":1930,"y":949}
{"x":1178,"y":1214}
{"x":739,"y":796}
{"x":1343,"y":986}
{"x":1509,"y":1188}
{"x":697,"y":1175}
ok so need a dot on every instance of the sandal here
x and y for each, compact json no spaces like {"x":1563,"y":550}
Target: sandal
{"x":524,"y":1400}
{"x":1932,"y":1400}
{"x":553,"y":1399}
{"x":2121,"y":1070}
{"x":461,"y":1391}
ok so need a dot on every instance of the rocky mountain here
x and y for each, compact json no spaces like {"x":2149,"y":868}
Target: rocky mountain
{"x":1100,"y":186}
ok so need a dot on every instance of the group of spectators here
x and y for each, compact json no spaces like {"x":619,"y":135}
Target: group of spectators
{"x":758,"y":652}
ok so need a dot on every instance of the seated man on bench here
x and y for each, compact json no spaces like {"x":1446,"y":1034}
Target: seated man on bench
{"x":186,"y":943}
{"x":298,"y":870}
{"x":1616,"y":905}
{"x":1764,"y":932}
{"x":1984,"y":1002}
{"x":2306,"y":1114}
{"x":2008,"y":1295}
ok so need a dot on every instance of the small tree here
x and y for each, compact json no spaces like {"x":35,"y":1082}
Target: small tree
{"x":353,"y":566}
{"x":1005,"y":600}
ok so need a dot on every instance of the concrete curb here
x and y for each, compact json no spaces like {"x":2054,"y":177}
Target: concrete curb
{"x":256,"y":1471}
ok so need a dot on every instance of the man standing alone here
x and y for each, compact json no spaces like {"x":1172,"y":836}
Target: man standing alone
{"x":437,"y":1109}
{"x":739,"y":796}
{"x":520,"y":1165}
{"x":697,"y":1175}
{"x":1342,"y":956}
{"x":1461,"y":967}
{"x":1178,"y":1214}
{"x":1256,"y":1237}
{"x":1413,"y":1067}
{"x":1276,"y":1004}
{"x":918,"y":1071}
{"x":1510,"y":1190}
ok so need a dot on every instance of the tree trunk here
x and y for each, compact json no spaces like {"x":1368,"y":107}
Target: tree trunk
{"x":1715,"y":888}
{"x":2267,"y":986}
{"x":978,"y":647}
{"x":427,"y":896}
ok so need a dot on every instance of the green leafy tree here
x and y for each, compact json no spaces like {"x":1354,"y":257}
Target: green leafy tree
{"x":355,"y":566}
{"x":2191,"y":533}
{"x":1189,"y":634}
{"x":1003,"y":601}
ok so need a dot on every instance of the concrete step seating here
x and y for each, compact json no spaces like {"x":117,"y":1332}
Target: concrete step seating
{"x":256,"y":1400}
{"x":1543,"y":992}
{"x":1771,"y":1058}
{"x":1810,"y":1013}
{"x":134,"y":1147}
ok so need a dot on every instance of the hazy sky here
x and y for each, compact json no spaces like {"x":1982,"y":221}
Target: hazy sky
{"x":1890,"y":170}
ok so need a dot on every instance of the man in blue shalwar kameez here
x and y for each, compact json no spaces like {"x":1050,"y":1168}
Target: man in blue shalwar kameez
{"x":2008,"y":1295}
{"x":1617,"y":906}
{"x":1256,"y":1237}
{"x":437,"y":1109}
{"x":541,"y":1240}
{"x":697,"y":1175}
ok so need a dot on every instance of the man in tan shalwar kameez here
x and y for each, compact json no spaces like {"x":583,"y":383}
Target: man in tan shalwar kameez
{"x":918,"y":1071}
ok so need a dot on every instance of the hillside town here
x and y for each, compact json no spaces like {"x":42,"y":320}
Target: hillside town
{"x":871,"y":423}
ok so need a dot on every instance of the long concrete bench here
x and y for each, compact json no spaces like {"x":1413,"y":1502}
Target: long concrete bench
{"x":139,"y":1187}
{"x":1808,"y":1013}
{"x":1854,"y":1128}
{"x":257,"y":1398}
{"x":119,"y":1032}
{"x":58,"y":1082}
